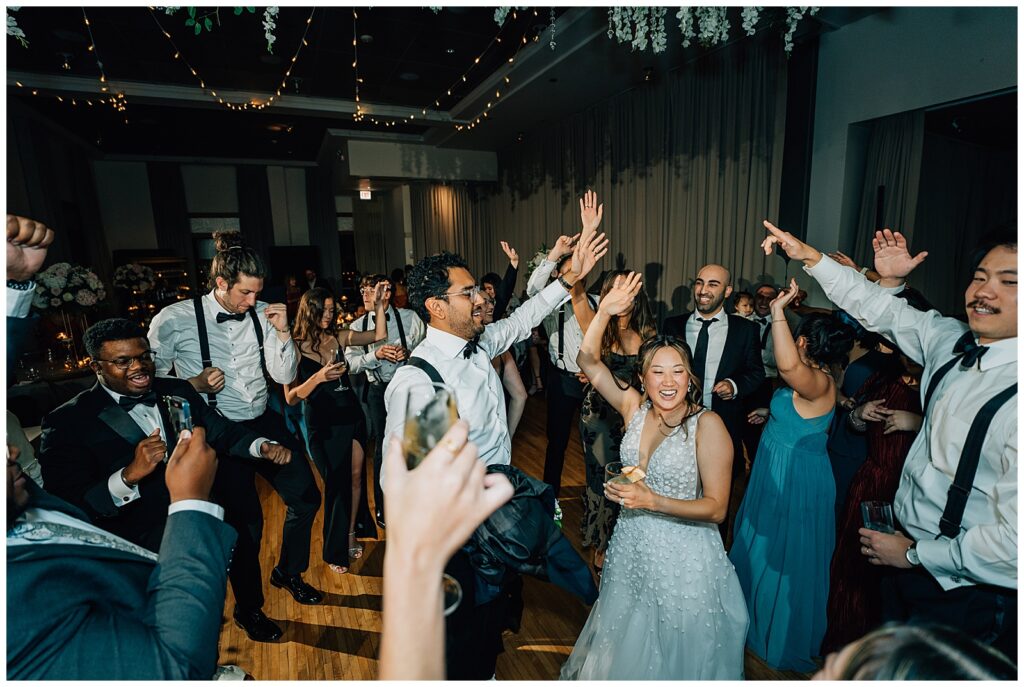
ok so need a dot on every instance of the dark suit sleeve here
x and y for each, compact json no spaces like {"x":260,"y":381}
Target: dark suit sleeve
{"x":173,"y":636}
{"x":69,"y":470}
{"x":224,"y":435}
{"x":749,"y":376}
{"x":505,"y":290}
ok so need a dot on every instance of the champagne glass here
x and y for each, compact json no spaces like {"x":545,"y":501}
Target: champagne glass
{"x":339,"y":357}
{"x":425,"y":425}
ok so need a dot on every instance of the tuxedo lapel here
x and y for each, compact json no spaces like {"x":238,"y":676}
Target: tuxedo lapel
{"x":117,"y":418}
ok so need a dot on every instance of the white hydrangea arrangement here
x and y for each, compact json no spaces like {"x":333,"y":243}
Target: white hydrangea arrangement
{"x":65,"y":285}
{"x":134,"y":277}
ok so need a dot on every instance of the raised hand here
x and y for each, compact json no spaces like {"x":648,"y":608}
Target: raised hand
{"x":588,"y":251}
{"x":892,"y":258}
{"x":563,"y":246}
{"x":27,"y":242}
{"x":513,"y":256}
{"x":844,"y":260}
{"x":792,"y":246}
{"x":590,"y":212}
{"x":277,"y":316}
{"x":621,"y":296}
{"x":778,"y":305}
{"x":379,"y":290}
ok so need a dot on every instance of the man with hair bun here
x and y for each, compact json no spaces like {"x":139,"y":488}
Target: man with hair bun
{"x":227,"y":344}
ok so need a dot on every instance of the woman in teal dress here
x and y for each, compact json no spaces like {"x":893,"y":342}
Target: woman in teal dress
{"x":785,"y":528}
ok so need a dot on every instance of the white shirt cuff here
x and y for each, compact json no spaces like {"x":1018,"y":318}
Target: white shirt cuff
{"x":208,"y":507}
{"x":254,"y":447}
{"x":735,"y":389}
{"x":19,"y":302}
{"x":119,"y":491}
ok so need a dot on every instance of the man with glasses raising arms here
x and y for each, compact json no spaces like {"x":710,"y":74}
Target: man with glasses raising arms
{"x":380,"y":361}
{"x":105,"y":450}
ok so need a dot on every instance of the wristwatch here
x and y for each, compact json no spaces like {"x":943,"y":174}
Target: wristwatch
{"x":912,"y":556}
{"x":26,"y":285}
{"x":563,"y":282}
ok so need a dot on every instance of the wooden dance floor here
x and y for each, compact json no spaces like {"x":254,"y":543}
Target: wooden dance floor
{"x":340,"y":639}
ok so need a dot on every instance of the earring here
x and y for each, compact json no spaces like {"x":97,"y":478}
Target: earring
{"x":689,"y":387}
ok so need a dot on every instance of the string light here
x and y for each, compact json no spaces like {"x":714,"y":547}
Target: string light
{"x":212,"y":93}
{"x":119,"y":102}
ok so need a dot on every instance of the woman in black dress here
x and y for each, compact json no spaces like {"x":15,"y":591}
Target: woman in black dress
{"x":334,"y":418}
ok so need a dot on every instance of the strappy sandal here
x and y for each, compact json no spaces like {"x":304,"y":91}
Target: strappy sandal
{"x":355,"y":550}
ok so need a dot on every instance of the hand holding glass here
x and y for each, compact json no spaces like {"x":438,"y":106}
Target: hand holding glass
{"x":877,"y":516}
{"x":424,"y":428}
{"x":339,"y":357}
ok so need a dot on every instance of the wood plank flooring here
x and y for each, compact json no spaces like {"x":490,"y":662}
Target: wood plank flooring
{"x":340,"y":639}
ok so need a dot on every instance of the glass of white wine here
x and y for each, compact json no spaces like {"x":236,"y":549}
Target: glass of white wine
{"x":425,"y":425}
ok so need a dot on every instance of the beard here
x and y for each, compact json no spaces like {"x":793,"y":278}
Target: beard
{"x":711,"y":306}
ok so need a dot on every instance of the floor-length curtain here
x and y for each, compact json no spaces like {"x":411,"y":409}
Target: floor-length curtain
{"x":893,"y":164}
{"x":170,"y":215}
{"x":323,"y":225}
{"x":255,"y":216}
{"x":368,"y":232}
{"x":967,"y":190}
{"x":687,"y":169}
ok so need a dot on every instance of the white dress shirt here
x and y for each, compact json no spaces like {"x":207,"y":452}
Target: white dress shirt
{"x":572,"y":332}
{"x":233,"y":348}
{"x":764,"y":325}
{"x":717,"y":334}
{"x":478,"y":390}
{"x":19,"y":302}
{"x":148,"y":418}
{"x":985,"y":551}
{"x":366,"y":361}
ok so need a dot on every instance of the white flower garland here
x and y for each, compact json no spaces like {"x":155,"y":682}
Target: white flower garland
{"x":749,"y":16}
{"x":269,"y":26}
{"x":13,"y":29}
{"x":793,"y":17}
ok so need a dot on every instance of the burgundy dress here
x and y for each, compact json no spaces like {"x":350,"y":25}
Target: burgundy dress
{"x":854,"y":600}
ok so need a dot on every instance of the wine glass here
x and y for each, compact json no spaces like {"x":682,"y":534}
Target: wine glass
{"x":339,"y":357}
{"x":425,"y":425}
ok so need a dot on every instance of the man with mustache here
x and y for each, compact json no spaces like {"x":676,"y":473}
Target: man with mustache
{"x":957,"y":499}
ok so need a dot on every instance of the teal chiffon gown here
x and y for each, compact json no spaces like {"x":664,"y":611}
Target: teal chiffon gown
{"x":784,"y":537}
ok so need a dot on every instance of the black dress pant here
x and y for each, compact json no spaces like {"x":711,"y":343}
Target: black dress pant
{"x":235,"y":489}
{"x":565,"y":394}
{"x":377,"y":416}
{"x":985,"y":612}
{"x":473,"y":631}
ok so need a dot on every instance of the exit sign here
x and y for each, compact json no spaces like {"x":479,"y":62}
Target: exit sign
{"x":364,"y":195}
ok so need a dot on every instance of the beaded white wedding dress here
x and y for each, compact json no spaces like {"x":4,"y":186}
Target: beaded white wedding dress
{"x":671,"y":607}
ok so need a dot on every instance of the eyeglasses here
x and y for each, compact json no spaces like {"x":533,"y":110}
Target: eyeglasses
{"x":470,"y":292}
{"x":126,"y":362}
{"x":370,"y":289}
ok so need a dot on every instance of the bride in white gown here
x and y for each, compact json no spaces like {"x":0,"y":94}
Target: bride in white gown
{"x":671,"y":607}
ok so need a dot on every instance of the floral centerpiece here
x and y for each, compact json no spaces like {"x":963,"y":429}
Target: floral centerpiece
{"x":64,"y":285}
{"x":536,"y":260}
{"x":134,"y":278}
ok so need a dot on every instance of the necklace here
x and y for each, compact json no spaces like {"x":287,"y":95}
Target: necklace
{"x":673,"y":429}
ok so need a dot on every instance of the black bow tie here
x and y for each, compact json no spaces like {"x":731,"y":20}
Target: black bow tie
{"x":223,"y":317}
{"x":129,"y":402}
{"x":471,"y":347}
{"x":387,"y":317}
{"x":969,"y":350}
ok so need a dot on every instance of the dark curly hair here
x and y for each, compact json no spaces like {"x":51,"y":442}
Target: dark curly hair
{"x":428,"y":278}
{"x":233,"y":259}
{"x":113,"y":329}
{"x":828,"y":340}
{"x":491,"y":278}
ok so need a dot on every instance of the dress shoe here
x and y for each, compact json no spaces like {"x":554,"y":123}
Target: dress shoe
{"x":302,"y":592}
{"x":380,"y":520}
{"x":259,"y":627}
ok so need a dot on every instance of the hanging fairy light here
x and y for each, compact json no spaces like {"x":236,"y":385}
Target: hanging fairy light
{"x":118,"y":101}
{"x":252,"y":104}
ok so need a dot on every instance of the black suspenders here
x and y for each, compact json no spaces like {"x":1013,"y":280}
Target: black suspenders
{"x":204,"y":342}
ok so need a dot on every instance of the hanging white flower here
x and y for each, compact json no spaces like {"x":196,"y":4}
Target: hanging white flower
{"x":552,"y":17}
{"x":269,"y":26}
{"x":640,"y":28}
{"x":436,"y":10}
{"x":750,"y":16}
{"x":685,"y":17}
{"x":13,"y":29}
{"x":793,"y":17}
{"x":659,"y":41}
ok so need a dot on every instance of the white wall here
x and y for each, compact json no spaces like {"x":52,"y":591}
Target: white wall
{"x":122,"y":191}
{"x":898,"y":59}
{"x":288,"y":205}
{"x":415,"y":161}
{"x":210,"y":188}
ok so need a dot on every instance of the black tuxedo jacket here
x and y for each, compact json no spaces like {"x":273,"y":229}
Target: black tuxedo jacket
{"x":741,"y":362}
{"x":85,"y":440}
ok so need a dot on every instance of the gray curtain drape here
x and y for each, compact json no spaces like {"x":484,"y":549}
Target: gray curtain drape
{"x":368,"y":228}
{"x":255,"y":216}
{"x":170,"y":215}
{"x":966,"y":191}
{"x":893,"y":162}
{"x":323,"y":225}
{"x":687,"y":169}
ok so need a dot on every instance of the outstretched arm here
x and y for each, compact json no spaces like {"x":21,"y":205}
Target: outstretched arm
{"x":616,"y":301}
{"x":380,"y":330}
{"x":810,"y":383}
{"x":508,"y":283}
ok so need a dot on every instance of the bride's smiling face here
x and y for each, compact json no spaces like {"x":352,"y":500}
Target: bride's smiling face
{"x":666,"y":379}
